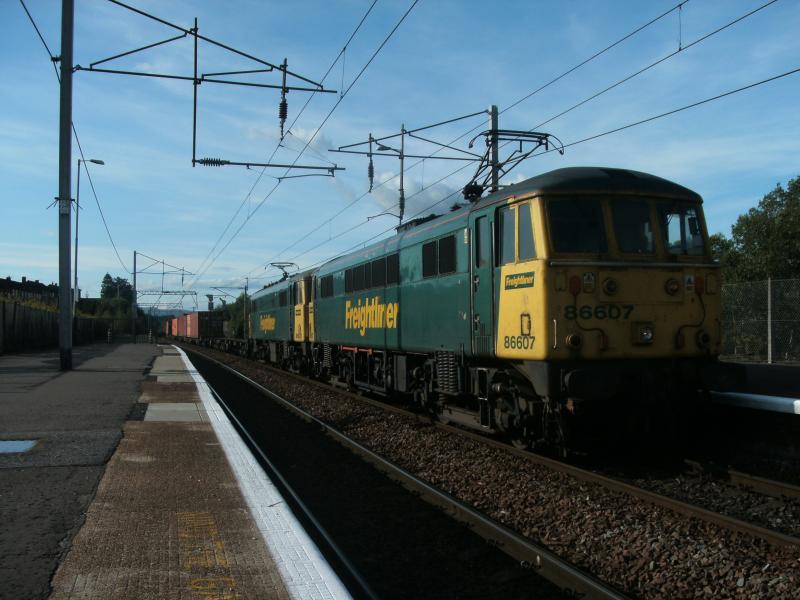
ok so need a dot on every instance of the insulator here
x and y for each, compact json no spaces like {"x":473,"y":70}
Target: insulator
{"x":371,"y":173}
{"x":283,"y":109}
{"x":212,"y":162}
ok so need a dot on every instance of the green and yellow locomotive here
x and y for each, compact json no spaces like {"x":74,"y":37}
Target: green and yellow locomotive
{"x":574,"y":292}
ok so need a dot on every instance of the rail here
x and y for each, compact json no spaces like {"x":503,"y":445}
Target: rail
{"x":677,"y":506}
{"x":530,"y":555}
{"x":275,"y":474}
{"x":768,"y":487}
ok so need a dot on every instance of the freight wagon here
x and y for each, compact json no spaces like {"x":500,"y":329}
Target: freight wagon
{"x":204,"y":324}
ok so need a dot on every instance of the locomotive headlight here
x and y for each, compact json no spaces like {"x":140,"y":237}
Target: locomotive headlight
{"x":643,"y":333}
{"x":672,"y":286}
{"x":574,"y":341}
{"x":703,"y":339}
{"x":610,"y":286}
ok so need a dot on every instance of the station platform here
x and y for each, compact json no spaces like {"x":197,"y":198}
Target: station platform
{"x":136,"y":486}
{"x":763,"y":402}
{"x":768,"y":388}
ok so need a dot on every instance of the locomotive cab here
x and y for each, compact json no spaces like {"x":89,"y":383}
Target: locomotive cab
{"x":630,"y":277}
{"x":575,"y":300}
{"x":606,"y":300}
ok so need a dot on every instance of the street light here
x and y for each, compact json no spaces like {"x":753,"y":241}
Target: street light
{"x":77,"y":214}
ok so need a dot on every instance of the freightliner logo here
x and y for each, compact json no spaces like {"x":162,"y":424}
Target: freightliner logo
{"x":372,"y":314}
{"x":520,"y":280}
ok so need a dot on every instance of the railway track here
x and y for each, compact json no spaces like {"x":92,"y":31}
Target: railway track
{"x":530,"y":555}
{"x":750,"y":482}
{"x":740,"y":531}
{"x":762,"y":485}
{"x":357,"y":583}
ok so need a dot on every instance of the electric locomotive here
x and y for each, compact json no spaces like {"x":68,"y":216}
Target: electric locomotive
{"x":577,"y":294}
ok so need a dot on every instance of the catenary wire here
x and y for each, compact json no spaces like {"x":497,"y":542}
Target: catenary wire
{"x":357,"y":199}
{"x":274,"y":152}
{"x":655,"y":63}
{"x":678,"y":7}
{"x":97,"y":201}
{"x":78,"y":142}
{"x":581,"y":141}
{"x":509,"y":107}
{"x":596,"y":95}
{"x":313,"y":136}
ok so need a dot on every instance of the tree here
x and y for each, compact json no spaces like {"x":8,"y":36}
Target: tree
{"x":116,"y":287}
{"x":107,"y":287}
{"x":765,"y":241}
{"x":235,"y":312}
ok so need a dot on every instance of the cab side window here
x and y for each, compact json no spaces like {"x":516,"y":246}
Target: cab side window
{"x":515,"y":227}
{"x":505,"y":238}
{"x":447,"y":255}
{"x":429,"y":259}
{"x":527,"y":250}
{"x":483,"y":243}
{"x":393,"y":269}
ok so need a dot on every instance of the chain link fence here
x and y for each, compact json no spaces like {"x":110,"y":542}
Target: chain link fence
{"x":761,"y":320}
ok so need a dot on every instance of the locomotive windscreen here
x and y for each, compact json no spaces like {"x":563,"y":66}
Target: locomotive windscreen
{"x":577,"y":225}
{"x":632,"y":226}
{"x":680,"y":228}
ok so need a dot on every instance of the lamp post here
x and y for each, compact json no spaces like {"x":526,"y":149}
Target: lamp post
{"x":77,"y":214}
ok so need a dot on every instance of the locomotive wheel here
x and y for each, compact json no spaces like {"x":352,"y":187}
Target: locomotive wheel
{"x":426,"y":401}
{"x":320,"y":372}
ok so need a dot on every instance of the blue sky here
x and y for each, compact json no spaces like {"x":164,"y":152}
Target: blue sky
{"x":448,"y":58}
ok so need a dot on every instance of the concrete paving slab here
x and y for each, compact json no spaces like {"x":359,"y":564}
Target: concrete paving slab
{"x":174,"y":378}
{"x":153,"y":391}
{"x":165,"y":518}
{"x":175,"y":411}
{"x":168,"y":522}
{"x":306,"y":573}
{"x":170,"y":369}
{"x":167,"y":364}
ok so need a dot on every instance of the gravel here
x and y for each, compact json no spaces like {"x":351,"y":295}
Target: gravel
{"x":645,"y":550}
{"x":401,"y":545}
{"x":778,"y":514}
